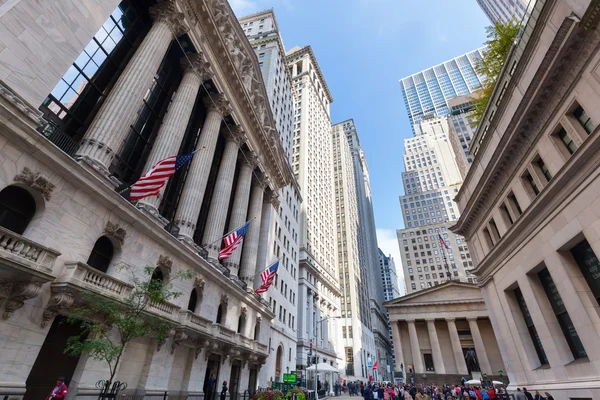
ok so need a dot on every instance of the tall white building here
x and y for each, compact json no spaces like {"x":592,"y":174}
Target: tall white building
{"x":504,"y":10}
{"x":359,"y":344}
{"x":431,"y":180}
{"x":280,"y":227}
{"x":318,"y":286}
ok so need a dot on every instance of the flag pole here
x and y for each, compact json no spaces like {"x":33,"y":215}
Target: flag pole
{"x":230,"y":232}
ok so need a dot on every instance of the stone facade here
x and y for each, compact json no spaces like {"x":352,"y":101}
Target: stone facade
{"x":529,"y":203}
{"x":63,"y":166}
{"x":442,"y":334}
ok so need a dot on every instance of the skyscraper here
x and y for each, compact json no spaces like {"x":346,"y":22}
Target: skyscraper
{"x":503,"y":10}
{"x":428,"y":92}
{"x":431,"y":254}
{"x":462,"y":129}
{"x":280,"y":226}
{"x":319,"y":289}
{"x":389,"y":276}
{"x":368,"y":250}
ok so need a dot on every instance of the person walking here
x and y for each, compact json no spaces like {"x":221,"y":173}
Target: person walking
{"x":520,"y":395}
{"x":421,"y":395}
{"x":367,"y":393}
{"x":210,"y":389}
{"x":224,"y":390}
{"x":59,"y":391}
{"x":528,"y":395}
{"x":538,"y":396}
{"x":548,"y":396}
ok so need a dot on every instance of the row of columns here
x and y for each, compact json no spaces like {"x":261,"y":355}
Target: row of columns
{"x":107,"y":132}
{"x":436,"y":351}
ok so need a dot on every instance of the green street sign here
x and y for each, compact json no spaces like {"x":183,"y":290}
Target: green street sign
{"x":289,"y":378}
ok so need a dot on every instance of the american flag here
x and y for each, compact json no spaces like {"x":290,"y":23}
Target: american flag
{"x":267,"y":277}
{"x":232,"y":241}
{"x":443,"y":242}
{"x":150,"y":183}
{"x":376,"y":364}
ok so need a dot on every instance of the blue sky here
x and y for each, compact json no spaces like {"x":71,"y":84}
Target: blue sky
{"x":363,"y":48}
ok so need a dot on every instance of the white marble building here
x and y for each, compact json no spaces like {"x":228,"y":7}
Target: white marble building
{"x":529,"y":204}
{"x":281,"y":225}
{"x":92,"y":95}
{"x":318,"y":286}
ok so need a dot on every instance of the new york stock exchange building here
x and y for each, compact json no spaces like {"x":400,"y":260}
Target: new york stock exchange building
{"x":144,"y":80}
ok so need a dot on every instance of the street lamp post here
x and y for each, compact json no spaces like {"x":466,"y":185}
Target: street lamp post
{"x":316,"y":354}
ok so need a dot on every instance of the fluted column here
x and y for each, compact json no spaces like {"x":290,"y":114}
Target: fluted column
{"x":248,"y":264}
{"x":459,"y":357}
{"x":195,"y":185}
{"x":106,"y":134}
{"x":174,"y":124}
{"x":397,"y":342}
{"x":217,"y":215}
{"x":415,"y":349}
{"x":484,"y":362}
{"x":240,"y":206}
{"x":438,"y":360}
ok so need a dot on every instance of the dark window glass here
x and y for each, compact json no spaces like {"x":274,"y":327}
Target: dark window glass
{"x":76,"y":98}
{"x":101,"y":254}
{"x":531,"y":182}
{"x":544,"y":168}
{"x":506,"y":213}
{"x":428,"y":358}
{"x":256,"y":331}
{"x":193,"y":301}
{"x":537,"y":343}
{"x":584,"y":119}
{"x":569,"y":331}
{"x":590,"y":266}
{"x":241,"y":324}
{"x":567,"y":141}
{"x":219,"y":314}
{"x":17,"y":208}
{"x":514,"y":202}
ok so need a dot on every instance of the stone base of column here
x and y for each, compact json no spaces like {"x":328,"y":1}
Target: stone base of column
{"x":12,"y":390}
{"x":152,"y":212}
{"x":99,"y":171}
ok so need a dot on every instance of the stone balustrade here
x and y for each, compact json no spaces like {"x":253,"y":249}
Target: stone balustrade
{"x":15,"y":248}
{"x":164,"y":308}
{"x":223,"y":333}
{"x":83,"y":276}
{"x":195,"y":321}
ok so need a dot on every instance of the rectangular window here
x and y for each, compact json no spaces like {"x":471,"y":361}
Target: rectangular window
{"x":585,"y":121}
{"x":488,"y":237}
{"x":564,"y":320}
{"x":514,"y":203}
{"x":544,"y":168}
{"x":506,"y":214}
{"x":529,"y":179}
{"x":537,"y":343}
{"x":567,"y":141}
{"x":428,"y":358}
{"x":589,"y":265}
{"x":494,"y":229}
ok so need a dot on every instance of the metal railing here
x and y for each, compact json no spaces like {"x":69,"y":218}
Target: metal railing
{"x":66,"y":143}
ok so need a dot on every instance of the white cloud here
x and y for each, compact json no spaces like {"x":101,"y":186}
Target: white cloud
{"x":388,"y":243}
{"x":242,"y":7}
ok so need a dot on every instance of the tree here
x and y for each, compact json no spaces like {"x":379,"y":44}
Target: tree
{"x":97,"y":315}
{"x":500,"y":39}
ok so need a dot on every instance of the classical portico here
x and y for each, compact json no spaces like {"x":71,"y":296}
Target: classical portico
{"x":442,"y":334}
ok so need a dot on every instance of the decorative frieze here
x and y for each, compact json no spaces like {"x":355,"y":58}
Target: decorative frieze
{"x":166,"y":11}
{"x":16,"y":293}
{"x":35,"y":181}
{"x":115,"y":231}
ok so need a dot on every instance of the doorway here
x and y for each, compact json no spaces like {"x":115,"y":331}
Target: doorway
{"x":234,"y":380}
{"x":252,"y":381}
{"x":212,"y":368}
{"x":52,"y":361}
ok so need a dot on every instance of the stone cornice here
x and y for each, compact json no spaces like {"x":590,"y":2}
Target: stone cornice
{"x":563,"y":63}
{"x":308,"y":50}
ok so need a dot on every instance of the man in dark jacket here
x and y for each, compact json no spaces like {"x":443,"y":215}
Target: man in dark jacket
{"x":527,"y":394}
{"x":367,"y":393}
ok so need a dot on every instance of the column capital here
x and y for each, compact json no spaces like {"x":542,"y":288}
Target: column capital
{"x":166,"y":11}
{"x":248,"y":158}
{"x":195,"y":63}
{"x":217,"y":102}
{"x":273,"y":198}
{"x":410,"y":320}
{"x":429,"y":320}
{"x":471,"y":318}
{"x":234,"y":133}
{"x":261,"y":180}
{"x":450,"y":319}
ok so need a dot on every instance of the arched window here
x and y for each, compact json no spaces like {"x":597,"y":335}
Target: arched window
{"x":219,"y":314}
{"x":157,"y":275}
{"x":101,"y":254}
{"x":17,"y":208}
{"x":278,"y":362}
{"x":257,"y":331}
{"x":241,"y":324}
{"x":193,"y":301}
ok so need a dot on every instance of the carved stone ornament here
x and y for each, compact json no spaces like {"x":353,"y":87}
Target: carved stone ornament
{"x":248,"y":158}
{"x":115,"y":231}
{"x":166,"y":11}
{"x":259,"y":319}
{"x":217,"y":102}
{"x":57,"y":302}
{"x":224,"y":300}
{"x":197,"y":64}
{"x":234,"y":133}
{"x":35,"y":181}
{"x":244,"y":311}
{"x":34,"y":114}
{"x":211,"y":347}
{"x":165,"y":263}
{"x":274,"y":199}
{"x":17,"y":293}
{"x":177,"y":339}
{"x":199,"y":285}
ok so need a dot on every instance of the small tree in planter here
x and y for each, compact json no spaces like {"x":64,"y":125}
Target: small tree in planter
{"x":98,"y":315}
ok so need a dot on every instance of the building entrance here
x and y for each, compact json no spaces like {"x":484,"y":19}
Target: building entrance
{"x":52,"y":361}
{"x":212,"y":368}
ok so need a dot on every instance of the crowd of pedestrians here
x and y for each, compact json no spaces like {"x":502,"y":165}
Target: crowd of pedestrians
{"x":389,"y":391}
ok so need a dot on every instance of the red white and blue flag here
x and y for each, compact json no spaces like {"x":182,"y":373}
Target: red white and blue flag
{"x":443,"y":242}
{"x":232,"y":241}
{"x":267,"y":277}
{"x":153,"y":181}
